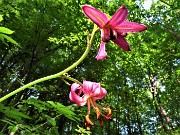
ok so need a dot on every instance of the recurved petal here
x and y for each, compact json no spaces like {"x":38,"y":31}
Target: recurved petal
{"x":75,"y":86}
{"x":98,"y":92}
{"x":130,"y":27}
{"x":101,"y":53}
{"x":121,"y":41}
{"x":95,"y":15}
{"x":87,"y":87}
{"x":75,"y":97}
{"x":119,"y":17}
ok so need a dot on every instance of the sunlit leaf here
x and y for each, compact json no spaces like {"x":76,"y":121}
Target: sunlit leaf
{"x":5,"y":30}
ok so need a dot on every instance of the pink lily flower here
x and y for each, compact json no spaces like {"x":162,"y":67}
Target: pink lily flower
{"x":88,"y":94}
{"x":90,"y":90}
{"x":114,"y":29}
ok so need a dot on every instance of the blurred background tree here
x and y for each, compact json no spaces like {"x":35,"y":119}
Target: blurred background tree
{"x":143,"y":84}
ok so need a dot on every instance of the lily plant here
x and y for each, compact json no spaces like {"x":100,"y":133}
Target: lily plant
{"x":88,"y":93}
{"x":114,"y":29}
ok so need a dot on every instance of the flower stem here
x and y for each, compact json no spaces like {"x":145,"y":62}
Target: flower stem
{"x":89,"y":42}
{"x":64,"y":76}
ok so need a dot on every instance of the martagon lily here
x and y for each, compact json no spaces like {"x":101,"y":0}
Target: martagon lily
{"x":88,"y":93}
{"x":114,"y":29}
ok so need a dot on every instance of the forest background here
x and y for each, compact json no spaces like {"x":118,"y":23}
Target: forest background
{"x":143,"y":85}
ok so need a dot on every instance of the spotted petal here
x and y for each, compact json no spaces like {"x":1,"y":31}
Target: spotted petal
{"x":119,"y":17}
{"x":130,"y":27}
{"x":95,"y":15}
{"x":121,"y":41}
{"x":101,"y":53}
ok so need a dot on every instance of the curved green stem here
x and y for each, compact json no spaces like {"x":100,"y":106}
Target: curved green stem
{"x":89,"y":42}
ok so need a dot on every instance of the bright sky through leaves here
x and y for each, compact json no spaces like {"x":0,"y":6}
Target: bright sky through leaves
{"x":147,"y":4}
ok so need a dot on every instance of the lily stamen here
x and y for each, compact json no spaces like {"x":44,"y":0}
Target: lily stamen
{"x":108,"y":116}
{"x":92,"y":91}
{"x":98,"y":112}
{"x":113,"y":29}
{"x":88,"y":120}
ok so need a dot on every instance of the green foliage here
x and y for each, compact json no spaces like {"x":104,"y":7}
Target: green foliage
{"x":64,"y":110}
{"x":4,"y":31}
{"x":52,"y":36}
{"x":13,"y":113}
{"x":82,"y":131}
{"x":1,"y":18}
{"x":3,"y":36}
{"x":50,"y":113}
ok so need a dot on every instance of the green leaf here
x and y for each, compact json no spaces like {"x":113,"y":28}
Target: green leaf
{"x":52,"y":121}
{"x":82,"y":131}
{"x":63,"y":110}
{"x":2,"y":36}
{"x":8,"y":121}
{"x":13,"y":113}
{"x":5,"y":30}
{"x":1,"y":18}
{"x":178,"y":71}
{"x":16,"y":114}
{"x":38,"y":104}
{"x":13,"y":128}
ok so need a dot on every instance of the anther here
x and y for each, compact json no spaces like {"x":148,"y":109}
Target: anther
{"x":101,"y":122}
{"x":98,"y":113}
{"x":88,"y":120}
{"x":109,"y":114}
{"x":87,"y":126}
